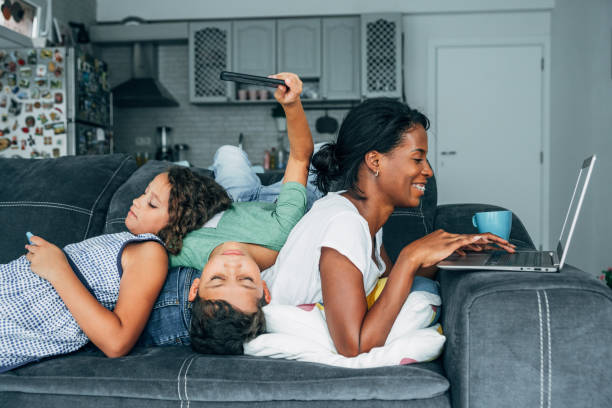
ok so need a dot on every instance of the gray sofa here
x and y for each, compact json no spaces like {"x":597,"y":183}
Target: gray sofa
{"x":513,"y":339}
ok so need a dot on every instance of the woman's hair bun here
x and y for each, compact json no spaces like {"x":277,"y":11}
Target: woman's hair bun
{"x":326,"y":167}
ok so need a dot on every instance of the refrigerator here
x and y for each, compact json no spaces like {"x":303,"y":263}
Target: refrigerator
{"x":54,"y":101}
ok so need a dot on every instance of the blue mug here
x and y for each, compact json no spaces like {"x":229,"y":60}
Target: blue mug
{"x":495,"y":222}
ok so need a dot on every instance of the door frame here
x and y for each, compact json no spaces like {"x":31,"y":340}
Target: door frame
{"x":432,"y":68}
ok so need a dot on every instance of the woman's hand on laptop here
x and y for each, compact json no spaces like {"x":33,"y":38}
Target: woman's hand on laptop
{"x":438,"y":245}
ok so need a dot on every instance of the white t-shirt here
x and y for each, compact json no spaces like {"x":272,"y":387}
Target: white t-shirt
{"x":333,"y":222}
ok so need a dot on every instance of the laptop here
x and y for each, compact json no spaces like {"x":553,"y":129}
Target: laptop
{"x":533,"y":261}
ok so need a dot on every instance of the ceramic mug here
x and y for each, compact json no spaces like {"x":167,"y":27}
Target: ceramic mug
{"x":495,"y":222}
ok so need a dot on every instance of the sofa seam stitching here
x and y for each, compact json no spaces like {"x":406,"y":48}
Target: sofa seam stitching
{"x":44,"y":204}
{"x":110,"y":180}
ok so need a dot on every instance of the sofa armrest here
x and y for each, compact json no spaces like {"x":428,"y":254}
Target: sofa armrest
{"x":457,"y":218}
{"x":524,"y":339}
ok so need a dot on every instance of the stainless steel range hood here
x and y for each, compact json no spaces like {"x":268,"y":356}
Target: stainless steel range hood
{"x":144,"y":88}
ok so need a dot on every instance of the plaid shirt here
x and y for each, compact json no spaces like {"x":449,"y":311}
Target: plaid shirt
{"x":34,"y":322}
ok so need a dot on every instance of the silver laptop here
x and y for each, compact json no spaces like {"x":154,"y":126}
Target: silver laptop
{"x":535,"y":261}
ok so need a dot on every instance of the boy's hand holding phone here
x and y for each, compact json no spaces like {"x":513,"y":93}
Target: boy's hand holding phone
{"x":284,"y":96}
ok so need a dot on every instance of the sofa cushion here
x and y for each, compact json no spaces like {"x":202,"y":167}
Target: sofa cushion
{"x":134,"y":187}
{"x":175,"y":373}
{"x":409,"y":224}
{"x":63,"y":200}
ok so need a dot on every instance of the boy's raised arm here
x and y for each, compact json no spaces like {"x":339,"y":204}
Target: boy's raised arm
{"x":300,"y":138}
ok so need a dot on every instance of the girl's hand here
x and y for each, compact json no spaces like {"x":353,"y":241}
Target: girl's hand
{"x":440,"y":244}
{"x":289,"y":96}
{"x":46,"y":260}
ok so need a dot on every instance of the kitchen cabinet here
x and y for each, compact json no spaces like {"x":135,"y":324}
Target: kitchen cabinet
{"x":209,"y":54}
{"x":299,"y":46}
{"x":254,"y":47}
{"x":341,"y":58}
{"x":381,"y":55}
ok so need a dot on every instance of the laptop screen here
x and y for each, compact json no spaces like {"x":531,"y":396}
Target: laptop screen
{"x":574,"y":209}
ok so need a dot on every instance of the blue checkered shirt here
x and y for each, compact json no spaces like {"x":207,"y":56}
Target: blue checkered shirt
{"x":34,"y":322}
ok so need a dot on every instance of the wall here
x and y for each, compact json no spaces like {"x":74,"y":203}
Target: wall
{"x":83,"y":11}
{"x":203,"y":127}
{"x":581,"y":123}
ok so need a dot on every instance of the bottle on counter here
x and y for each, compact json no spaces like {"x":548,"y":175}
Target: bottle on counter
{"x":266,"y":161}
{"x":273,"y":158}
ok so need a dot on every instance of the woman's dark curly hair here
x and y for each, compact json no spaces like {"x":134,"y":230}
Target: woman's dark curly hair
{"x":194,"y":199}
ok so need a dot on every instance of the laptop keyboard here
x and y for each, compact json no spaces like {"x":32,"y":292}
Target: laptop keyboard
{"x":519,"y":258}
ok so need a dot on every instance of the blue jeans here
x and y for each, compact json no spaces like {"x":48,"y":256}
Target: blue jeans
{"x":233,"y":171}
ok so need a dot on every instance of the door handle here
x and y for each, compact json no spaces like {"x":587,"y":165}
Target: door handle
{"x":448,"y":153}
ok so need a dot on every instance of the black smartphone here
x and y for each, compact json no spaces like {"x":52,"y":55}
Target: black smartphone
{"x":252,"y":79}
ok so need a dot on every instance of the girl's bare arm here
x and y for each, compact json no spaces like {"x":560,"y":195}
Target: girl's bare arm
{"x":114,"y":332}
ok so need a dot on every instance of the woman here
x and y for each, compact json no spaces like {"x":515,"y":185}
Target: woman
{"x":334,"y":254}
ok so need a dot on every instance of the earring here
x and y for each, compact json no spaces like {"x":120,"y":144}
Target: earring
{"x":376,"y":174}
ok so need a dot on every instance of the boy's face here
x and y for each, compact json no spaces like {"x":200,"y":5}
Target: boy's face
{"x":231,"y":275}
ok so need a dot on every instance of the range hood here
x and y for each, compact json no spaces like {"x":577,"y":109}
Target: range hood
{"x":144,"y":88}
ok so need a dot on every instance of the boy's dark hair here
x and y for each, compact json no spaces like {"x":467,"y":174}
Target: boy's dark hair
{"x":219,"y":328}
{"x":194,"y":199}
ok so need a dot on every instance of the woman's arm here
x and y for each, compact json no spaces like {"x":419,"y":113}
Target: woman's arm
{"x":300,"y":138}
{"x":355,"y":329}
{"x":114,"y":332}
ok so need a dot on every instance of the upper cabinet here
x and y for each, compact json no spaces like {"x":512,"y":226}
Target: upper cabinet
{"x":299,"y":46}
{"x":341,"y":58}
{"x":209,"y":54}
{"x":381,"y":38}
{"x":254,"y":47}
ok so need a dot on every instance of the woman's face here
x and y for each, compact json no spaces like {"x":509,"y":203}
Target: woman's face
{"x":404,"y":170}
{"x":149,"y":212}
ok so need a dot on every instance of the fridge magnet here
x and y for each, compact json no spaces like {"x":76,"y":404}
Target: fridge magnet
{"x":51,"y":66}
{"x":14,"y":143}
{"x":38,"y":131}
{"x":58,"y":72}
{"x":59,"y":97}
{"x":41,"y":70}
{"x":11,"y":80}
{"x":32,"y":57}
{"x":4,"y":117}
{"x":47,"y":105}
{"x":3,"y":102}
{"x":2,"y":55}
{"x":15,"y":125}
{"x":46,"y":95}
{"x":21,"y":62}
{"x":56,"y":83}
{"x":46,"y":53}
{"x":6,"y":10}
{"x":15,"y":90}
{"x":34,"y":154}
{"x":42,"y":82}
{"x":4,"y":143}
{"x":58,"y":109}
{"x":29,"y":107}
{"x":54,"y":116}
{"x":48,"y":126}
{"x":43,"y":118}
{"x":12,"y":66}
{"x":59,"y":129}
{"x":35,"y":94}
{"x":31,"y":141}
{"x":25,"y":72}
{"x":24,"y":83}
{"x":23,"y":95}
{"x":47,"y":140}
{"x":2,"y":72}
{"x":30,"y":121}
{"x":15,"y":109}
{"x":37,"y":104}
{"x":58,"y":56}
{"x":56,"y":152}
{"x":23,"y":144}
{"x":25,"y":130}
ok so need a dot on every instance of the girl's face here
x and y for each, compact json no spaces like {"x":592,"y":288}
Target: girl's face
{"x":149,"y":212}
{"x":404,"y":170}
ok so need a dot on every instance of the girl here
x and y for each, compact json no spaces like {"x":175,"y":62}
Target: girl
{"x":53,"y":301}
{"x":334,"y":254}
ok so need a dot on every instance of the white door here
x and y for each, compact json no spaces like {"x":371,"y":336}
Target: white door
{"x":489,"y":128}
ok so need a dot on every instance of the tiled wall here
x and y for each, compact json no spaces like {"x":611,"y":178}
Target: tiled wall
{"x":203,"y":127}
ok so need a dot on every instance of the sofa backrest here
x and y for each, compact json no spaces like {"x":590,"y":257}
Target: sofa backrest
{"x":63,"y":200}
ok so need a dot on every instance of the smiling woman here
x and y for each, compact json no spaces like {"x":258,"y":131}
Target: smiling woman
{"x":335,"y":255}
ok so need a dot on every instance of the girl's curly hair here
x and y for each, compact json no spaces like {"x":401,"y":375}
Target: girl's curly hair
{"x":194,"y":199}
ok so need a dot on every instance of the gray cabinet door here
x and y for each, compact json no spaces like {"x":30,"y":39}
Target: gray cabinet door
{"x":341,"y":58}
{"x":209,"y":54}
{"x":381,"y":55}
{"x":254,"y":47}
{"x":299,"y":46}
